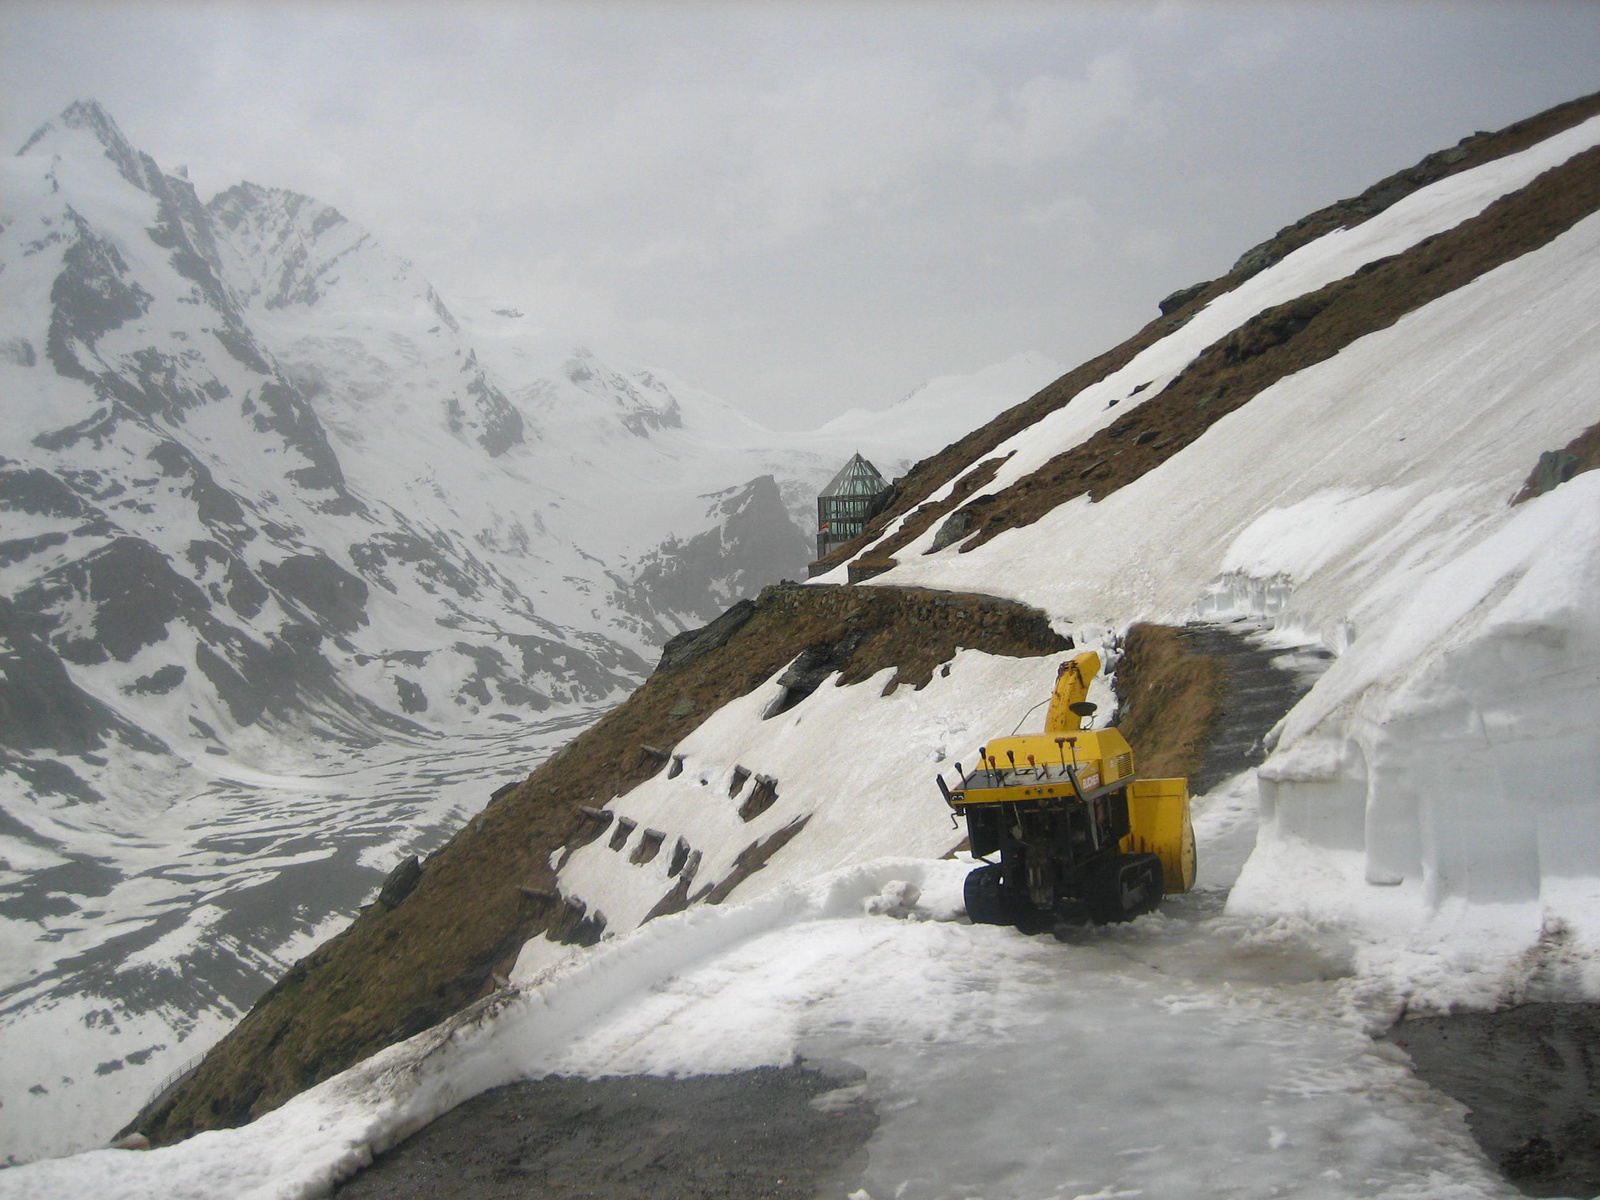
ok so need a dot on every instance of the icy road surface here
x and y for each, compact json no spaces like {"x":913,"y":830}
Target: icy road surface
{"x":1190,"y":1054}
{"x":1186,"y":1055}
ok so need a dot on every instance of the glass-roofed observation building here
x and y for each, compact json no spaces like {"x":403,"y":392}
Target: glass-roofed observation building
{"x":846,"y":505}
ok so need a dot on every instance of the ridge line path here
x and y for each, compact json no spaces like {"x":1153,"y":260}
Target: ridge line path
{"x":1190,"y":1054}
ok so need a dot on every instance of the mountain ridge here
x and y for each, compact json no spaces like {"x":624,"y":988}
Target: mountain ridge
{"x":1476,"y":150}
{"x":1093,"y":572}
{"x":297,"y":560}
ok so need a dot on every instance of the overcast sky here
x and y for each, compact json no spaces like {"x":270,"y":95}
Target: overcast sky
{"x":805,"y":207}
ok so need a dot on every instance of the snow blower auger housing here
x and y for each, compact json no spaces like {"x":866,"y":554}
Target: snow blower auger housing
{"x":1076,"y":831}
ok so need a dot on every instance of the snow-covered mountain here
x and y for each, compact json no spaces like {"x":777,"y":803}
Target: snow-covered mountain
{"x":297,"y":564}
{"x":1328,"y":442}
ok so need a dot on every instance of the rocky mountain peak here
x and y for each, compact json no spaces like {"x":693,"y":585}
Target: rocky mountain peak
{"x":90,"y":117}
{"x":269,"y":504}
{"x":246,"y":200}
{"x":289,"y":245}
{"x":643,"y":404}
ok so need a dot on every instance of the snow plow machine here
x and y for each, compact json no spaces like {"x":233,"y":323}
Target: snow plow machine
{"x":1078,"y":834}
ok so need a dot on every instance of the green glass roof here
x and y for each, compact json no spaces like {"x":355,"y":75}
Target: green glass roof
{"x":857,"y":477}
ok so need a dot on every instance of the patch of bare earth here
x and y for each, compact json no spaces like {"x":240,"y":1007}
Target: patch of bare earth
{"x":1168,"y":698}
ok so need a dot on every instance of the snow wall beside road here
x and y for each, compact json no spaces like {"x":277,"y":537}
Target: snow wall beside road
{"x":1440,"y":787}
{"x":1437,"y":789}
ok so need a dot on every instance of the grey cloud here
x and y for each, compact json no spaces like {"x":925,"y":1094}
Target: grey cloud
{"x":806,"y":207}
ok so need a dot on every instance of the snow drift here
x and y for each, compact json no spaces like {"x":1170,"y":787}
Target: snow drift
{"x":1438,"y":787}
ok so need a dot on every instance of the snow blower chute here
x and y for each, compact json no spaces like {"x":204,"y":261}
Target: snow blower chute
{"x":1076,"y":832}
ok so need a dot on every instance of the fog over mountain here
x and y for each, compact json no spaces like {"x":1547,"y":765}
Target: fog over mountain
{"x":299,"y":561}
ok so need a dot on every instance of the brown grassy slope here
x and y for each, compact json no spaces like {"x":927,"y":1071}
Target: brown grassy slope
{"x":958,"y":458}
{"x":962,"y":458}
{"x":1296,"y":335}
{"x":1469,"y":152}
{"x":1168,"y":699}
{"x":392,"y":973}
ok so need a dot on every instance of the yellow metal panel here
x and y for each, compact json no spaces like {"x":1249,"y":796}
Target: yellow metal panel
{"x":1011,"y":795}
{"x":1091,"y":747}
{"x":1162,"y":787}
{"x":1072,"y":687}
{"x":1158,"y":814}
{"x":1116,"y":755}
{"x":1101,"y":756}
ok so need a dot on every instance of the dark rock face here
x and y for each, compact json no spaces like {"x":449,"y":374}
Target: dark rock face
{"x":692,"y":643}
{"x":320,"y":585}
{"x":1182,"y":296}
{"x":402,"y":881}
{"x":500,"y":423}
{"x":281,"y":409}
{"x":93,"y":295}
{"x":412,"y":698}
{"x":215,"y":505}
{"x":296,"y":277}
{"x":806,"y":673}
{"x":17,"y":549}
{"x":562,"y":672}
{"x":158,"y":682}
{"x":39,"y":493}
{"x":956,"y":526}
{"x":422,"y":556}
{"x":133,"y":592}
{"x":183,"y":227}
{"x":753,"y":543}
{"x":1556,"y":467}
{"x":40,"y":707}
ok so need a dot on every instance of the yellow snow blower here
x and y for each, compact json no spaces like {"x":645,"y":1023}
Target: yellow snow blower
{"x":1076,"y":831}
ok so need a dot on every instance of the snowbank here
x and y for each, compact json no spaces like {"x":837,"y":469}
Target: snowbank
{"x":1450,"y":761}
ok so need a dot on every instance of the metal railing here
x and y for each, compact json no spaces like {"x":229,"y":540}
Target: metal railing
{"x":171,"y":1081}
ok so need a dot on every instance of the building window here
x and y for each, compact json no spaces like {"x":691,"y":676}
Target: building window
{"x":844,"y":507}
